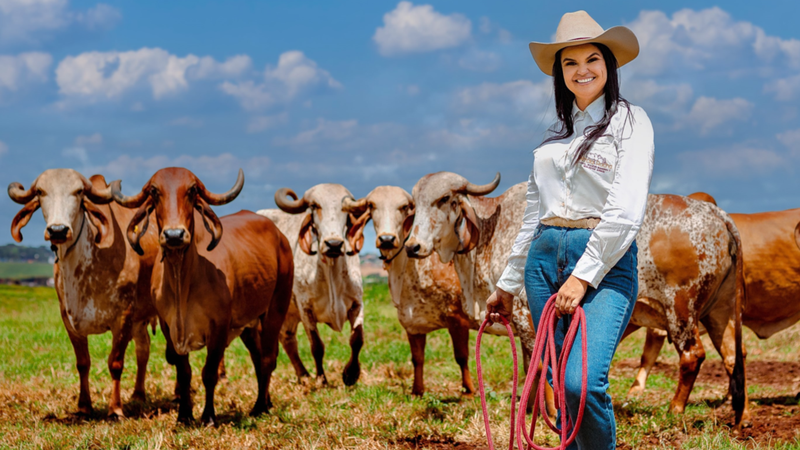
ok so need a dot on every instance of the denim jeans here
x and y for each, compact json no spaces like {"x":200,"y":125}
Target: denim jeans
{"x":552,"y":257}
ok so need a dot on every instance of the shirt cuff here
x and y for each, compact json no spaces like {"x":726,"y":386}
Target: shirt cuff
{"x":512,"y":280}
{"x":590,"y":270}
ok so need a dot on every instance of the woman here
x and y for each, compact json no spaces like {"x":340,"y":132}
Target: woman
{"x":586,"y":200}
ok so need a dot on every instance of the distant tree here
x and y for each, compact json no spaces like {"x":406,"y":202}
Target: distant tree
{"x":21,"y":253}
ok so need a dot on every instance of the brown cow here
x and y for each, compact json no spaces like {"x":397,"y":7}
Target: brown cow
{"x":101,"y":283}
{"x":771,"y":270}
{"x":425,"y":292}
{"x":208,"y":290}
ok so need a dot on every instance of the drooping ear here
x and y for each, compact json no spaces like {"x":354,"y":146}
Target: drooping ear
{"x":138,"y":226}
{"x":105,"y":232}
{"x":23,"y":216}
{"x":469,"y":234}
{"x":796,"y":235}
{"x":407,"y":224}
{"x":215,"y":227}
{"x":306,"y":237}
{"x":355,"y":231}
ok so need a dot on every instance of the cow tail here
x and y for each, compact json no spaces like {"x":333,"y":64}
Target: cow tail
{"x":153,"y":323}
{"x":737,"y":381}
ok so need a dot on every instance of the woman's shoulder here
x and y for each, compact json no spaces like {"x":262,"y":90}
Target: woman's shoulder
{"x":630,"y":115}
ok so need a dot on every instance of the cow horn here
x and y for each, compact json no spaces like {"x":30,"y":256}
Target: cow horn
{"x":350,"y":205}
{"x":19,"y":194}
{"x":474,"y":189}
{"x":227,"y":197}
{"x":128,"y":202}
{"x":97,"y":196}
{"x":294,"y":206}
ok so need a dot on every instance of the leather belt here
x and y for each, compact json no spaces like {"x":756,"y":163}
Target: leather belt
{"x":588,"y":223}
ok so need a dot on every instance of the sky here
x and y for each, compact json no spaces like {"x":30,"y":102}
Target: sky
{"x":373,"y":93}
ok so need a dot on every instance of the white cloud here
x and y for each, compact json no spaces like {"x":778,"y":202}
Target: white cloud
{"x":258,"y":124}
{"x":106,"y":75}
{"x":785,"y":89}
{"x":480,"y":61}
{"x":33,"y":20}
{"x":16,"y":71}
{"x":791,"y":139}
{"x":3,"y":148}
{"x":522,"y":96}
{"x":732,"y":161}
{"x":671,"y":99}
{"x":92,"y":139}
{"x":294,"y":75}
{"x":487,"y":27}
{"x":325,"y":131}
{"x":414,"y":29}
{"x":708,"y":113}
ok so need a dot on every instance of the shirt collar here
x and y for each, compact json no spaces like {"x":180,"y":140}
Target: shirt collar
{"x":596,"y":110}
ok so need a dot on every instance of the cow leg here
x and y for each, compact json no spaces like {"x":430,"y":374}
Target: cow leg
{"x":270,"y":334}
{"x":459,"y":334}
{"x":116,"y":364}
{"x":549,"y":396}
{"x":317,"y":351}
{"x":352,"y":370}
{"x":726,"y":346}
{"x":417,"y":343}
{"x":692,"y":356}
{"x":288,"y":338}
{"x":222,"y":372}
{"x":142,"y":341}
{"x":183,"y":383}
{"x":216,"y":351}
{"x":652,"y":347}
{"x":83,"y":362}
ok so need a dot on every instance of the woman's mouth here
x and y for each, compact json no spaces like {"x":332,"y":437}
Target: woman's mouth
{"x":585,"y":80}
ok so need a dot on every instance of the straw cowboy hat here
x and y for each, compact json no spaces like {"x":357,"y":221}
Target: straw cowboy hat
{"x":578,"y":28}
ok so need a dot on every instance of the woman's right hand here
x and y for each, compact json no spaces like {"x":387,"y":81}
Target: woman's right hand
{"x":499,"y":304}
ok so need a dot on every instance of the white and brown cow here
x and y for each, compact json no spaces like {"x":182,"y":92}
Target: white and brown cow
{"x":102,"y":284}
{"x":327,"y":287}
{"x":425,"y":291}
{"x":455,"y":220}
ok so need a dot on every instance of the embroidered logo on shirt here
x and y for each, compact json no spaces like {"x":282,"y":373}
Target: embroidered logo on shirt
{"x":594,"y":161}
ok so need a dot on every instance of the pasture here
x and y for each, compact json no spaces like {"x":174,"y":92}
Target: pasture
{"x":39,"y":388}
{"x":22,"y":270}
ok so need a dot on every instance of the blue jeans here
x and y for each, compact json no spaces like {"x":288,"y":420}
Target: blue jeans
{"x":552,"y":257}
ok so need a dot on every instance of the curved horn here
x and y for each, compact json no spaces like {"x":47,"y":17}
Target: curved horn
{"x":128,"y":202}
{"x":227,"y":197}
{"x":474,"y":189}
{"x":350,"y":205}
{"x":296,"y":206}
{"x":97,"y":196}
{"x":19,"y":194}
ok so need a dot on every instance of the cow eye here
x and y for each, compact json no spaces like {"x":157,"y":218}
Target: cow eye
{"x":79,"y":192}
{"x":443,"y":200}
{"x":39,"y":192}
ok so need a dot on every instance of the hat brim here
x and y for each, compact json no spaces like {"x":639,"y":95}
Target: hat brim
{"x":620,"y":40}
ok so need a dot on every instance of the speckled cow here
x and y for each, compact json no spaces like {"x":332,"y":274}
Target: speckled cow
{"x":327,"y":273}
{"x":691,"y":276}
{"x":102,"y":284}
{"x":425,"y":291}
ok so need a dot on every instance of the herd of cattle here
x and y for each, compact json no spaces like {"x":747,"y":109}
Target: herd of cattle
{"x":700,"y":271}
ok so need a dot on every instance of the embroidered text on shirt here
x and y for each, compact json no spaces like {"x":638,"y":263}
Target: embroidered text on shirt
{"x":594,"y":161}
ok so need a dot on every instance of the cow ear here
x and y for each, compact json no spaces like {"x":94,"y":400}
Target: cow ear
{"x":23,"y":217}
{"x":138,"y":225}
{"x":796,"y":235}
{"x":407,"y":224}
{"x":105,"y":232}
{"x":468,"y":234}
{"x":214,"y":227}
{"x":306,"y":237}
{"x":355,"y":231}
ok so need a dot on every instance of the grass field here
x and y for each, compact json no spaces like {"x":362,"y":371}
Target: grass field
{"x":39,"y":387}
{"x":21,"y":270}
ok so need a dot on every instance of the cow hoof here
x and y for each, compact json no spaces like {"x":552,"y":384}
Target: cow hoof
{"x":85,"y":410}
{"x":259,"y":409}
{"x":116,"y":413}
{"x":186,"y":420}
{"x":209,"y":421}
{"x":351,"y":374}
{"x":322,"y":380}
{"x":417,"y":392}
{"x":140,"y":397}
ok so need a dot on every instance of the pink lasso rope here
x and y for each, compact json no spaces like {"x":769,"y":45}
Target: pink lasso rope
{"x":544,"y":351}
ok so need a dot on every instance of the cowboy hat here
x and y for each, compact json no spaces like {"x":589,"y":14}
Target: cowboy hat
{"x":578,"y":28}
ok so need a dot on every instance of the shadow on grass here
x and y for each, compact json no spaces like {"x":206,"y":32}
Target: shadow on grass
{"x":132,"y":410}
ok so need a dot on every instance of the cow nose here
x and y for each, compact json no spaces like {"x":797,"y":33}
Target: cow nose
{"x":174,"y":237}
{"x":412,"y":250}
{"x":386,"y":241}
{"x":58,"y":232}
{"x":335,"y":245}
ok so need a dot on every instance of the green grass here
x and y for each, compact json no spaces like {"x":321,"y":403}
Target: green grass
{"x":39,"y":388}
{"x":21,"y":270}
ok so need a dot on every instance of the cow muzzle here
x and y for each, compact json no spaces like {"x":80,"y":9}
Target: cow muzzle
{"x":386,"y":242}
{"x":174,"y":238}
{"x":58,"y":233}
{"x":415,"y":250}
{"x":334,"y":248}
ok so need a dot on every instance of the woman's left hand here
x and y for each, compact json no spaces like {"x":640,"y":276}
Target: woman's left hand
{"x":570,"y":295}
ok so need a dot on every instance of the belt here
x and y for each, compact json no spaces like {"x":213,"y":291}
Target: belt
{"x":588,"y":223}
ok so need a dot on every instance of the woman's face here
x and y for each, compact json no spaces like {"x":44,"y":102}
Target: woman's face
{"x":584,"y":72}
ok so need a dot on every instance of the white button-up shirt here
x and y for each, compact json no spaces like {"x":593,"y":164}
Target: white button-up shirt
{"x":610,"y":182}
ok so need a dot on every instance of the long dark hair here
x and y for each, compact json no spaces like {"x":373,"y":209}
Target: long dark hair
{"x":565,"y":98}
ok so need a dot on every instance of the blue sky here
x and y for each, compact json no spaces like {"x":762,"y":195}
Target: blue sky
{"x":370,"y":93}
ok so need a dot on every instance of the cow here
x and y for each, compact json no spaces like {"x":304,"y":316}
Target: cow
{"x":425,"y":292}
{"x":771,"y":269}
{"x":102,"y":285}
{"x":209,"y":290}
{"x":454,"y":219}
{"x":327,"y":287}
